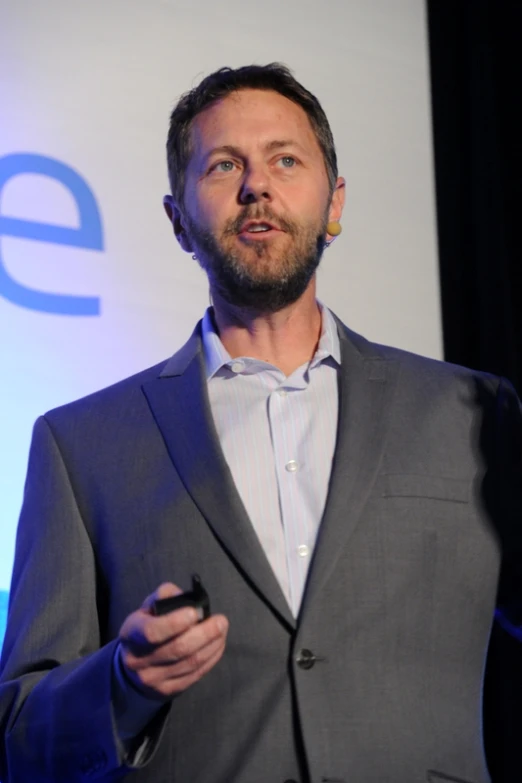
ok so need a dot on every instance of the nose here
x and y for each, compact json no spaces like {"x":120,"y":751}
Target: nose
{"x":255,"y":185}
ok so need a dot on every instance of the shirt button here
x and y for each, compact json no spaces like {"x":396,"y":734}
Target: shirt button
{"x":282,"y":392}
{"x":237,"y":366}
{"x":291,"y":466}
{"x":303,"y":550}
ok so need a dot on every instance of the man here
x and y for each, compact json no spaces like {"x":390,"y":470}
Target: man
{"x":349,"y":508}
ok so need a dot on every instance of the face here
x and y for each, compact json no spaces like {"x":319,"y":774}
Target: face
{"x":256,"y":200}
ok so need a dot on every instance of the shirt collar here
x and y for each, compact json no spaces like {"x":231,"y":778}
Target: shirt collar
{"x":216,"y":355}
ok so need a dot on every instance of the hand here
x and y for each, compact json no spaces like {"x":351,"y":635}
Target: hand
{"x":165,"y":655}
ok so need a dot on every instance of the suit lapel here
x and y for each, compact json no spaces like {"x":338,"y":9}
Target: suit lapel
{"x":179,"y":403}
{"x":367,"y":384}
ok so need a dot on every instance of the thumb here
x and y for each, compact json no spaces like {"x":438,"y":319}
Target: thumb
{"x":165,"y":590}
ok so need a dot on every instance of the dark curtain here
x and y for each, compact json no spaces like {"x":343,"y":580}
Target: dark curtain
{"x":476,"y":72}
{"x":476,"y":67}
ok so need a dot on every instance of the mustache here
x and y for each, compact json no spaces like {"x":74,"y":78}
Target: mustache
{"x":234,"y":225}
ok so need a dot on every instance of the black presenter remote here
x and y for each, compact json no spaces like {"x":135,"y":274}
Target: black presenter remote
{"x":197,"y":597}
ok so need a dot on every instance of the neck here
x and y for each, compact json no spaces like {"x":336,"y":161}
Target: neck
{"x":287,"y":339}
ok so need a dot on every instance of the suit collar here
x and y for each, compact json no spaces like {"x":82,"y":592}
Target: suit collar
{"x":181,"y":360}
{"x":353,"y":347}
{"x":205,"y":339}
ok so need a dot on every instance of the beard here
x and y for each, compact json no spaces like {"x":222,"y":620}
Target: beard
{"x":259,"y":278}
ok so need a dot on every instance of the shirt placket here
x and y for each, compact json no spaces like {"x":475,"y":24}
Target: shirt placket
{"x":286,"y":422}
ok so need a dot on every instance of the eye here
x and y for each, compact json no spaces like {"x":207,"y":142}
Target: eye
{"x":223,"y":165}
{"x":287,"y":161}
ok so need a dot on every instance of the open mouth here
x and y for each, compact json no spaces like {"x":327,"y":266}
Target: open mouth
{"x":257,"y":229}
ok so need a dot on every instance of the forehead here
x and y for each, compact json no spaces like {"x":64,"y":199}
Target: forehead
{"x":252,"y":117}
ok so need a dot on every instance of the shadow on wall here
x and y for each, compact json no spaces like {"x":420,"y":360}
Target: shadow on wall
{"x":4,"y":597}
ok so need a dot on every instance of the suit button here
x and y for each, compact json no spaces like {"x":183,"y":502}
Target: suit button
{"x":305,"y":659}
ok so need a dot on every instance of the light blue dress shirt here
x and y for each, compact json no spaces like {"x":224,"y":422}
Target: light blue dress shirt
{"x":278,"y":435}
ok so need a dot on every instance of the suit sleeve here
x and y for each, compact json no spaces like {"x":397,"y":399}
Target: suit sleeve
{"x":503,"y":497}
{"x":56,"y":717}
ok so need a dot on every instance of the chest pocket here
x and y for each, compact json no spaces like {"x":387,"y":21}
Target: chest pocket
{"x":407,"y":485}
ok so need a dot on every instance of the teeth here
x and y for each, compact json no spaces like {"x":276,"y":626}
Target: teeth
{"x":259,"y":228}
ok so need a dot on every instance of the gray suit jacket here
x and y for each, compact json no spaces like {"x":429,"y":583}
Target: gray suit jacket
{"x":419,"y":544}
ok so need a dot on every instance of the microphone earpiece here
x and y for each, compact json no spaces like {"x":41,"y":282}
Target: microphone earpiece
{"x":334,"y":228}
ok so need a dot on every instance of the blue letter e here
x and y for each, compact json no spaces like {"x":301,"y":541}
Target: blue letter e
{"x":87,"y":235}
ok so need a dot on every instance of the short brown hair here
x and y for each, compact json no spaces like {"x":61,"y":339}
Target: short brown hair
{"x":221,"y":83}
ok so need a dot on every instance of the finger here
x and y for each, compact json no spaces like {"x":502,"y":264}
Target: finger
{"x":180,"y":667}
{"x":142,"y":633}
{"x":195,"y":637}
{"x":165,"y":590}
{"x":169,"y":686}
{"x":182,"y":682}
{"x":153,"y":676}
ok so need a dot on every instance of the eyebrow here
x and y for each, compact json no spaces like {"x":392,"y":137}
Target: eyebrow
{"x":230,"y":149}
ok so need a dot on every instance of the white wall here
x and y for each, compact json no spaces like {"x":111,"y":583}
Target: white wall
{"x":92,"y":84}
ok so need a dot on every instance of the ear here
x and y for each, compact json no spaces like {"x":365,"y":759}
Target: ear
{"x":175,"y":216}
{"x":337,"y":204}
